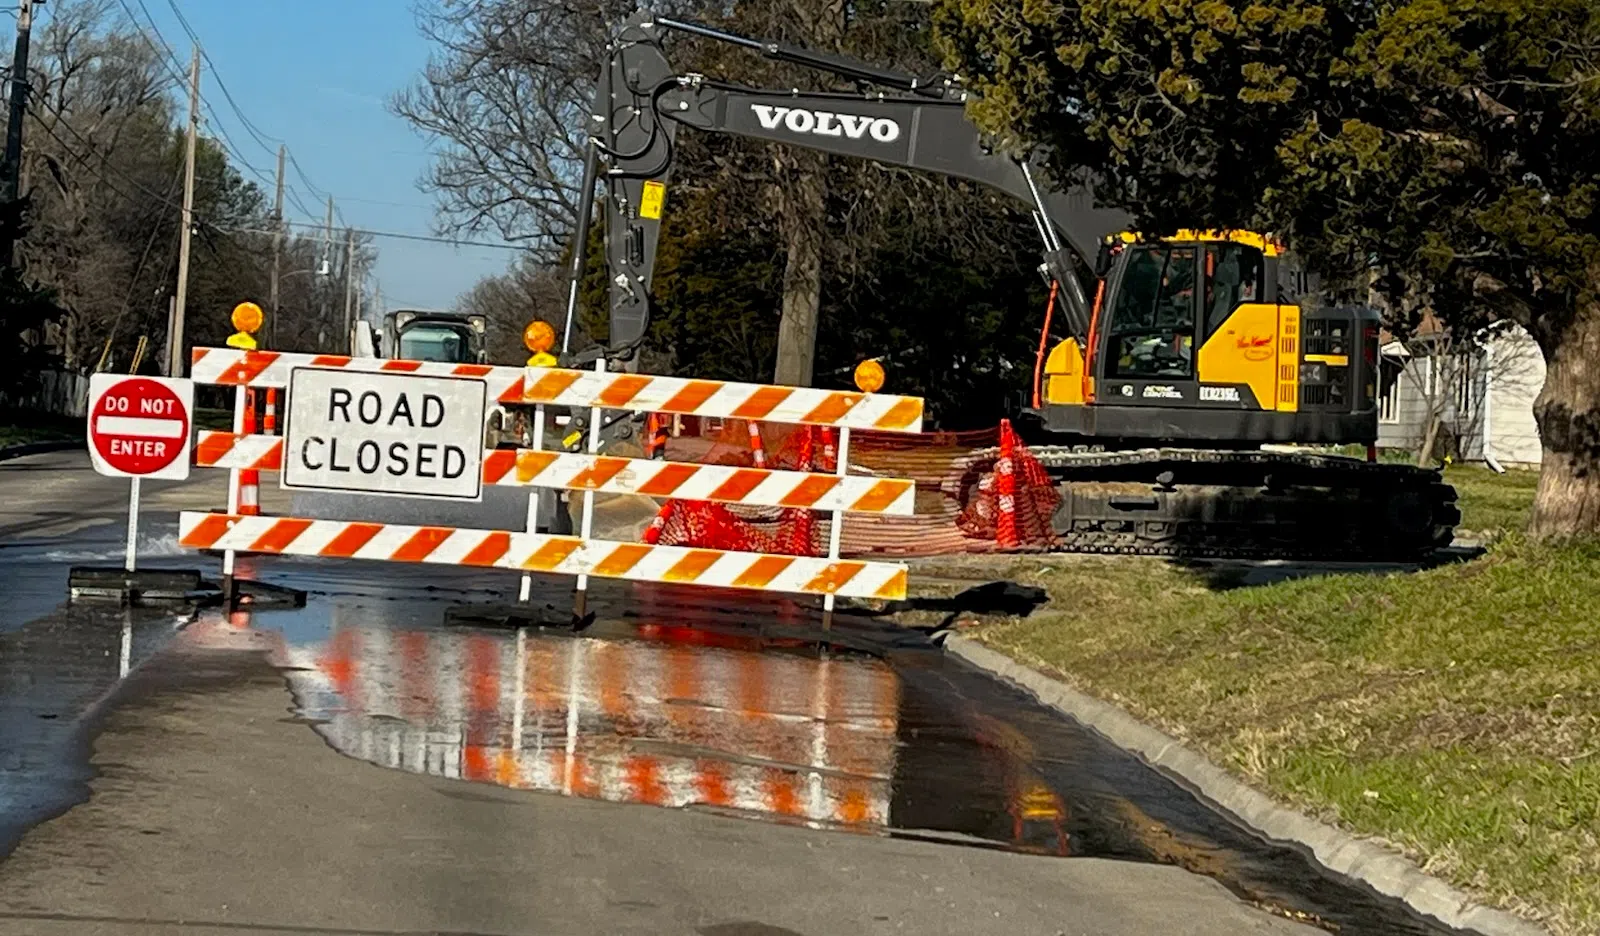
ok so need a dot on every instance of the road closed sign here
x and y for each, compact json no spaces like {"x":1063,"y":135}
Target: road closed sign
{"x":391,"y":433}
{"x":139,"y":426}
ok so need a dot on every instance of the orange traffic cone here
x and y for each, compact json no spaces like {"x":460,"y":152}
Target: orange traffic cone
{"x":1005,"y":534}
{"x":249,"y":478}
{"x":652,"y":534}
{"x":756,"y":447}
{"x":655,"y":436}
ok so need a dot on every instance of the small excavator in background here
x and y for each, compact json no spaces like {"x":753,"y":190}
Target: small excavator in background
{"x":1154,"y":401}
{"x":451,"y":337}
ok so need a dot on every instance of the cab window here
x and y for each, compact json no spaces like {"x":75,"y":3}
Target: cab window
{"x":1152,"y":326}
{"x":1235,"y":274}
{"x":433,"y":343}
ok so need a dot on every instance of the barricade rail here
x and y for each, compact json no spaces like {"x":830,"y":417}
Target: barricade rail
{"x":612,"y":475}
{"x":640,"y":393}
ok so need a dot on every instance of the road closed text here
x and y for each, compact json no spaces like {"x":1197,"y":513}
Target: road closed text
{"x":396,"y":434}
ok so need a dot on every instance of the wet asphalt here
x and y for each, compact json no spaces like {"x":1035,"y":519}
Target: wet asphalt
{"x":677,"y":701}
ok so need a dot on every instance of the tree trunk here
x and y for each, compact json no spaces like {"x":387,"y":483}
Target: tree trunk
{"x":805,"y":221}
{"x":1425,"y":453}
{"x":803,"y":204}
{"x":1568,"y":413}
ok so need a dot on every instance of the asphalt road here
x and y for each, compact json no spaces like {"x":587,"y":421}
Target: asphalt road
{"x":60,"y":493}
{"x":358,"y":767}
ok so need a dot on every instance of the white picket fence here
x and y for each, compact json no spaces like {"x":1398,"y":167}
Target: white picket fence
{"x":61,"y":393}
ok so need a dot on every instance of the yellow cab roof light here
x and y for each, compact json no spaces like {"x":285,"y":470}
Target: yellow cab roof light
{"x":1267,"y":244}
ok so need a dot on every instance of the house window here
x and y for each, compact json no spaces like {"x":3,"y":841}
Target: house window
{"x":1390,"y":367}
{"x":1465,"y":390}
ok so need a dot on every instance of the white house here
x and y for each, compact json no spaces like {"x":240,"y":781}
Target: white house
{"x":1481,"y":391}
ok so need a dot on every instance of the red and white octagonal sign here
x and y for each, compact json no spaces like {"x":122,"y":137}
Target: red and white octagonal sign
{"x":139,"y":427}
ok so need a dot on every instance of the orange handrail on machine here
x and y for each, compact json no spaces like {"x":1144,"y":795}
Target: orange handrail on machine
{"x":1044,"y":341}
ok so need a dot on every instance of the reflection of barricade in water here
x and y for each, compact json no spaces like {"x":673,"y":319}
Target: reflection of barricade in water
{"x":812,"y":740}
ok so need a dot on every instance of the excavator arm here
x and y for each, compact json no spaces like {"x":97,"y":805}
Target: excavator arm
{"x":898,"y":119}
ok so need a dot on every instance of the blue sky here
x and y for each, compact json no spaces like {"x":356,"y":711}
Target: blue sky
{"x":315,"y":74}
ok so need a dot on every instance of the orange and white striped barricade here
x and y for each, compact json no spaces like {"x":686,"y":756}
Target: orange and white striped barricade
{"x":367,"y":398}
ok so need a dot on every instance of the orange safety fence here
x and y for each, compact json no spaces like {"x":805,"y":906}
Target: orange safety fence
{"x":978,"y":491}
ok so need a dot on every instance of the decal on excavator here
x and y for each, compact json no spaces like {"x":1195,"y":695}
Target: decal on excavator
{"x":1256,"y":347}
{"x":650,"y":202}
{"x":826,"y":123}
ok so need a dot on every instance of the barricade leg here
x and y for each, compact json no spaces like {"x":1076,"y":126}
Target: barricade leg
{"x":533,"y":497}
{"x":836,"y":529}
{"x":587,"y":528}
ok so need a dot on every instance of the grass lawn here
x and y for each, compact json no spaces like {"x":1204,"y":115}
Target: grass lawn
{"x":1453,"y":712}
{"x":1492,"y":504}
{"x":17,"y":428}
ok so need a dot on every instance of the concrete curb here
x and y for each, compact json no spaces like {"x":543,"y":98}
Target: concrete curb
{"x":1383,"y":870}
{"x":38,"y":448}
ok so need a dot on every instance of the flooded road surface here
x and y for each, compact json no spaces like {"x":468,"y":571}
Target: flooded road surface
{"x":59,"y":664}
{"x":671,"y":699}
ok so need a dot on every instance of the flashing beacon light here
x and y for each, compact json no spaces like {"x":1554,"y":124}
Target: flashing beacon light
{"x":246,"y":322}
{"x":869,"y":376}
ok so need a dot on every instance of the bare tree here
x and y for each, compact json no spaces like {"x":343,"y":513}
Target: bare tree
{"x":527,"y":291}
{"x":507,"y":93}
{"x":103,"y":171}
{"x":1452,"y":375}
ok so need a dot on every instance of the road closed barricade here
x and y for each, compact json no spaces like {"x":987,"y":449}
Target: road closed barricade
{"x":370,"y":426}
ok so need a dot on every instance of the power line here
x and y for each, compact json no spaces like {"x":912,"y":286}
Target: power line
{"x":216,"y":75}
{"x":294,"y":198}
{"x":315,"y":192}
{"x":163,"y":51}
{"x":133,"y":281}
{"x":102,"y":174}
{"x":105,"y":158}
{"x":397,"y":235}
{"x":174,"y":67}
{"x":263,"y":139}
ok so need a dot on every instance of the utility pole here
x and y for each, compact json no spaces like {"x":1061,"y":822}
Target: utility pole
{"x":349,"y":278}
{"x":175,"y":334}
{"x":11,"y":167}
{"x":325,"y":305}
{"x":277,"y":251}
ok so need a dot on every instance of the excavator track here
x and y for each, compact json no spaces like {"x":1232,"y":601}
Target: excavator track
{"x":1200,"y":503}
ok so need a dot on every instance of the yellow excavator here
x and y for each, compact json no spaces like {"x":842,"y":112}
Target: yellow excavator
{"x":1163,"y":395}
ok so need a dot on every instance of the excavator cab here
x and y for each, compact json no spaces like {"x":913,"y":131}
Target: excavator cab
{"x":451,"y":337}
{"x":1209,"y":336}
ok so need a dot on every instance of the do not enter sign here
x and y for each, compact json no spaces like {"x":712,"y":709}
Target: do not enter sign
{"x":139,"y":427}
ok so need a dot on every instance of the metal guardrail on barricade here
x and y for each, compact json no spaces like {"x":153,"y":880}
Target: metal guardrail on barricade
{"x":414,"y":428}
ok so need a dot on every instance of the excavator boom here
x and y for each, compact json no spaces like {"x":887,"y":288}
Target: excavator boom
{"x":918,"y":123}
